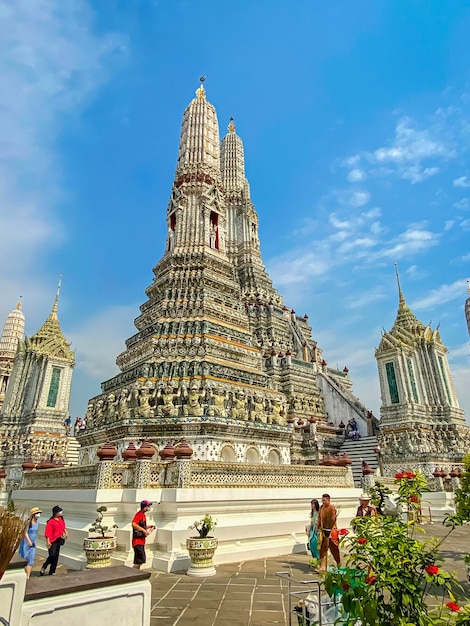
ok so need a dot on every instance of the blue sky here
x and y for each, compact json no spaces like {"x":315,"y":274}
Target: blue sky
{"x":355,"y":121}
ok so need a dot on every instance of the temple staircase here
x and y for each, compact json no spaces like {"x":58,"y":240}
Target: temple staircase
{"x":361,"y":450}
{"x":72,"y":451}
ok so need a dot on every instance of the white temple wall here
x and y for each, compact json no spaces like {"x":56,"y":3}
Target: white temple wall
{"x":338,"y":409}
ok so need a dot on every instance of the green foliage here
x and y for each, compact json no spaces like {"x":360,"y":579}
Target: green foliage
{"x":97,"y":526}
{"x":377,"y":493}
{"x":11,"y":508}
{"x":204,"y":526}
{"x":462,"y":495}
{"x":390,"y":574}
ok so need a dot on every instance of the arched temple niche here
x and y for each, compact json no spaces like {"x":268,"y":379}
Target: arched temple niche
{"x":273,"y":458}
{"x":227,"y":454}
{"x":252,"y":455}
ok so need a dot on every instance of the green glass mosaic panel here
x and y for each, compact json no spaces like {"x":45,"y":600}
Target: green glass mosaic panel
{"x":54,"y":387}
{"x":392,"y":383}
{"x":412,"y":380}
{"x":444,"y":379}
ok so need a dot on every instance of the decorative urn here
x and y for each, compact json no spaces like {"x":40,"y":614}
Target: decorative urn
{"x":183,"y":450}
{"x":167,"y":453}
{"x":146,"y":451}
{"x":130,"y":453}
{"x":107,"y":452}
{"x":28,"y":465}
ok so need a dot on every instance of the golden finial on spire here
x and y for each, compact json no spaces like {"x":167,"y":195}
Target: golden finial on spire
{"x":56,"y":301}
{"x":18,"y":304}
{"x":400,"y":293}
{"x":200,"y":91}
{"x":231,"y":125}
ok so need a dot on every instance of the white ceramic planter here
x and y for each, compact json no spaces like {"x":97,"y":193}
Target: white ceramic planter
{"x":98,"y":551}
{"x":201,"y":552}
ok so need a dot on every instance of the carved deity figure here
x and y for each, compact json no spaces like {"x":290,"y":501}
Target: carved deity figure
{"x":238,"y":410}
{"x":143,"y":397}
{"x":192,"y":406}
{"x":167,"y":394}
{"x":112,"y":404}
{"x":277,"y":412}
{"x":124,"y":404}
{"x":258,"y":412}
{"x":217,"y":407}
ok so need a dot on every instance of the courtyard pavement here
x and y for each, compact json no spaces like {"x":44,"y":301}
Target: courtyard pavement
{"x":249,"y":592}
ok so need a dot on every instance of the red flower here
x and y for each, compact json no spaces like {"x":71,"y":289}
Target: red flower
{"x":346,"y":586}
{"x":414,"y":499}
{"x":343,"y":532}
{"x":399,"y":475}
{"x":370,"y":580}
{"x":409,"y":475}
{"x":453,"y":606}
{"x":431,"y":569}
{"x":362,"y":540}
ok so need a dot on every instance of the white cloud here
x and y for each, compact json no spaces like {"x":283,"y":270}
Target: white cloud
{"x":448,"y":224}
{"x":462,"y":204}
{"x":408,"y":243}
{"x":461,"y":182}
{"x":442,"y":295}
{"x":359,"y":198}
{"x":412,"y":145}
{"x":108,"y":330}
{"x":356,"y":176}
{"x":51,"y":63}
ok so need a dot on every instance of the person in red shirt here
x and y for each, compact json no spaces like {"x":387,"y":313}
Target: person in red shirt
{"x":55,"y":534}
{"x":140,"y":532}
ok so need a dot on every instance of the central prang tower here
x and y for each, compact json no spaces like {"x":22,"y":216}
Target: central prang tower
{"x":218,"y":358}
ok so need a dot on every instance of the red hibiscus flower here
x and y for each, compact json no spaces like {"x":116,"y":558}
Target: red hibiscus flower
{"x":414,"y":499}
{"x":343,"y":532}
{"x":362,"y":540}
{"x":453,"y":606}
{"x":370,"y":580}
{"x":399,"y":475}
{"x":409,"y":475}
{"x":431,"y":569}
{"x":346,"y":586}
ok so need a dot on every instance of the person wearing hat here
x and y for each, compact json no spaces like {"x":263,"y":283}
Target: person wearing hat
{"x":28,"y":543}
{"x":365,"y":509}
{"x":140,"y":532}
{"x":55,"y":534}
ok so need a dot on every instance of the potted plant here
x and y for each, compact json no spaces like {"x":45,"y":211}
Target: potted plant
{"x":202,"y":547}
{"x":100,"y":543}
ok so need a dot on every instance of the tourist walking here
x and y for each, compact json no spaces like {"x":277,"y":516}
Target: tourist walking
{"x":140,"y":532}
{"x":28,"y":543}
{"x":55,"y":534}
{"x":312,"y":543}
{"x":365,"y":509}
{"x":326,"y":525}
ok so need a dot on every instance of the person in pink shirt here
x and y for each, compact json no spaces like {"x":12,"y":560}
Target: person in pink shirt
{"x":55,"y":534}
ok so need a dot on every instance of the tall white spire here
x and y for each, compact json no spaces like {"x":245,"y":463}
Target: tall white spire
{"x":199,"y":141}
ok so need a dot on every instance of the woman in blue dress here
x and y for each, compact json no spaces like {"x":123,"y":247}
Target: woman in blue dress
{"x":28,"y":543}
{"x":313,"y":534}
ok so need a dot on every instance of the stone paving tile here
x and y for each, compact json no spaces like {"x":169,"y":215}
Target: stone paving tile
{"x":240,"y":594}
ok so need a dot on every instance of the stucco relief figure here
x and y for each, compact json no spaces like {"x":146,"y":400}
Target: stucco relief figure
{"x":124,"y":404}
{"x":238,"y":409}
{"x":257,"y":412}
{"x":213,"y":236}
{"x":89,"y":415}
{"x":167,"y":395}
{"x":277,"y":412}
{"x":171,"y":238}
{"x":112,"y":405}
{"x":143,"y":397}
{"x":99,"y":414}
{"x":217,"y":399}
{"x":192,"y":406}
